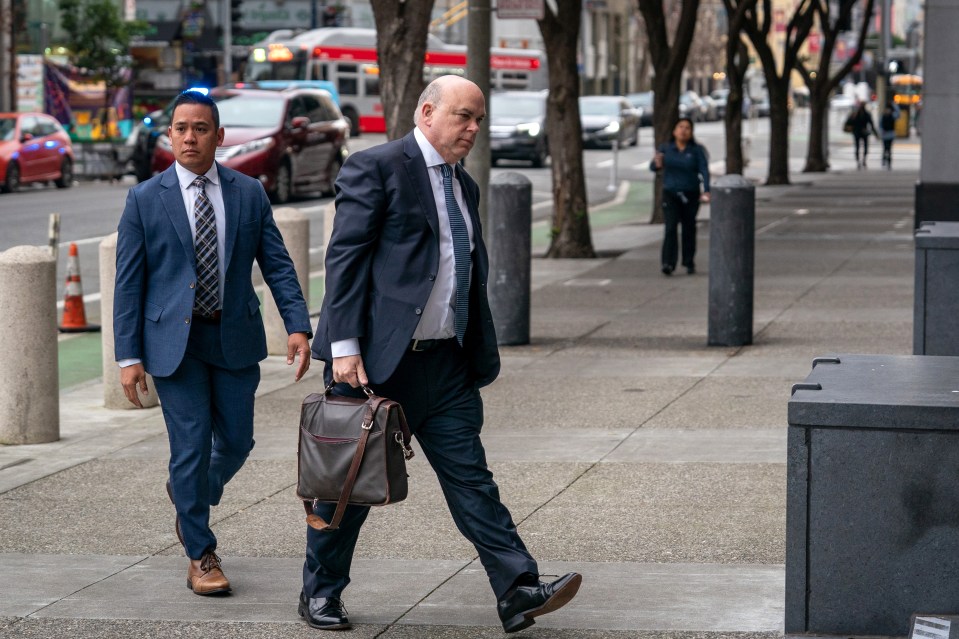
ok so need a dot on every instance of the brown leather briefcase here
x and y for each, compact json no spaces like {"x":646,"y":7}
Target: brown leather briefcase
{"x":351,"y":451}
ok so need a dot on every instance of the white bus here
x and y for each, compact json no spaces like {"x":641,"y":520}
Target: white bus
{"x":347,"y":57}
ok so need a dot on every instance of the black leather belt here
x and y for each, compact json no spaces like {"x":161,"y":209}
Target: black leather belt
{"x":420,"y":345}
{"x":208,"y":319}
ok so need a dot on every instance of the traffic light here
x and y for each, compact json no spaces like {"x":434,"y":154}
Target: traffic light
{"x":236,"y":13}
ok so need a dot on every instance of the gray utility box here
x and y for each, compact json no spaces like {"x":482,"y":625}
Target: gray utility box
{"x":935,"y":328}
{"x":872,"y":501}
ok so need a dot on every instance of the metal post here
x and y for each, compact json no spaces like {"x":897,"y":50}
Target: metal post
{"x":227,"y":41}
{"x":510,"y":250}
{"x":54,"y":236}
{"x":478,"y":42}
{"x":614,"y":168}
{"x":6,"y":56}
{"x":732,"y":223}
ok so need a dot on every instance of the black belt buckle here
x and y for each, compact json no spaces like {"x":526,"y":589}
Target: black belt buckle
{"x":208,"y":319}
{"x":420,"y":345}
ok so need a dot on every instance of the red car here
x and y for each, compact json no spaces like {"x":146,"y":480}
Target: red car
{"x":33,"y":148}
{"x":293,"y":141}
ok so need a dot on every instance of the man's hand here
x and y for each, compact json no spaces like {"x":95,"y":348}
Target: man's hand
{"x":298,"y":344}
{"x":130,"y":378}
{"x":349,"y":370}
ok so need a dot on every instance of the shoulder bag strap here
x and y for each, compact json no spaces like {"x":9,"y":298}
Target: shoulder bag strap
{"x":314,"y":520}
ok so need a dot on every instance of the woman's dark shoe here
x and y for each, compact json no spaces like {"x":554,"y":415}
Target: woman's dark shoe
{"x":691,"y":269}
{"x":519,"y":607}
{"x":667,"y":269}
{"x":324,"y":613}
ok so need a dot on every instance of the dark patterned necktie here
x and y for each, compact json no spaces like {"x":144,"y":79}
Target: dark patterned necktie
{"x":461,"y":254}
{"x":207,"y":272}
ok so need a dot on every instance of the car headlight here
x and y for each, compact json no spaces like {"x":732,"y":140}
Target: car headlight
{"x":532,"y":129}
{"x":247,"y":147}
{"x":612,"y":127}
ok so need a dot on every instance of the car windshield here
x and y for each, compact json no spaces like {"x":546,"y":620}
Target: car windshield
{"x":242,"y":111}
{"x":516,"y":106}
{"x":7,"y":127}
{"x":598,"y":107}
{"x":641,"y":99}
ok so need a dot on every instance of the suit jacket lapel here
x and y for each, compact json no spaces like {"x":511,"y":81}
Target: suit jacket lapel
{"x":172,"y":201}
{"x":419,"y":176}
{"x":231,"y":205}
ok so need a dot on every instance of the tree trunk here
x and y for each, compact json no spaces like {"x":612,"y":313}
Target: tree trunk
{"x":401,"y":30}
{"x":737,"y":61}
{"x":778,"y":131}
{"x":816,"y":153}
{"x":665,"y":114}
{"x":570,"y":232}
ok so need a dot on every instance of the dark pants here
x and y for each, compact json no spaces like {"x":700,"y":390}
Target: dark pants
{"x":679,"y":210}
{"x":208,"y":411}
{"x":864,"y":140}
{"x":887,"y":153}
{"x":445,"y":414}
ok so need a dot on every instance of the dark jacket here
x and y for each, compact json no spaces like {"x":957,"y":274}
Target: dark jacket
{"x":383,"y":258}
{"x":862,"y":123}
{"x":682,"y":169}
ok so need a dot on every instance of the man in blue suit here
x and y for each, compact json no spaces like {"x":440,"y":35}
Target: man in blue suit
{"x":406,"y":311}
{"x":186,"y":312}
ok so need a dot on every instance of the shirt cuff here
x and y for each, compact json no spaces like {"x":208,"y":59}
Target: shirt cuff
{"x":345,"y":347}
{"x":123,"y":363}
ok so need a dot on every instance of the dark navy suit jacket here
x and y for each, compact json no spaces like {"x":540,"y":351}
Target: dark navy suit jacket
{"x":156,"y":274}
{"x":383,"y":258}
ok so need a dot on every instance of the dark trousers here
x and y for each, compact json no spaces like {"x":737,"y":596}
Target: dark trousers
{"x":679,"y":210}
{"x":208,"y":411}
{"x":864,"y":140}
{"x":887,"y":153}
{"x":445,"y":414}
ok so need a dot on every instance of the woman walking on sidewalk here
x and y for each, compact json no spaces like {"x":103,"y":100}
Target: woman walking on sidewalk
{"x":684,"y":164}
{"x":887,"y":128}
{"x":860,"y":124}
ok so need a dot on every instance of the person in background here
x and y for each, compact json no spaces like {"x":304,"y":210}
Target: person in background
{"x":685,"y":170}
{"x":861,"y":124}
{"x":887,"y":129}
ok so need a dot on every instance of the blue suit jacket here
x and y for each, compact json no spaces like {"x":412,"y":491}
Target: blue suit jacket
{"x":383,"y":258}
{"x":156,"y":274}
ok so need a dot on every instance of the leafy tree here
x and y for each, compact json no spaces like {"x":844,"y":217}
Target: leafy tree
{"x":401,"y":33}
{"x":820,"y":83}
{"x":669,"y":59}
{"x":98,"y":40}
{"x":570,"y":225}
{"x":758,"y":26}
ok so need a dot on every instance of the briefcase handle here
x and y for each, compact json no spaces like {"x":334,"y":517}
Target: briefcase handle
{"x":366,"y":389}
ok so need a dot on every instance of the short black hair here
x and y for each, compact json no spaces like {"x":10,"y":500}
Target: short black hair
{"x":192,"y":96}
{"x":672,"y":136}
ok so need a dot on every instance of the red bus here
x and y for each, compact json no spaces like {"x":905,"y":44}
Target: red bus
{"x":347,"y":57}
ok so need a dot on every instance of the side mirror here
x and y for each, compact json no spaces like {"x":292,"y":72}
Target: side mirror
{"x":26,"y":137}
{"x":300,"y":122}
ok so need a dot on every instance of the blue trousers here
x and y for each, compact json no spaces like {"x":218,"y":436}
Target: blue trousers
{"x":208,"y":411}
{"x":445,"y":414}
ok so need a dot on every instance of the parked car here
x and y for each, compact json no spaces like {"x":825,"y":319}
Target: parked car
{"x":293,"y":141}
{"x":761,"y":105}
{"x":710,"y":110}
{"x":643,"y":102}
{"x":689,"y":106}
{"x":720,"y":98}
{"x":605,"y":118}
{"x":517,"y":127}
{"x":34,"y":148}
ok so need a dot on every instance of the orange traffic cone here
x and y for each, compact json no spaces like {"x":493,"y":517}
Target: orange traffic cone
{"x":74,"y":315}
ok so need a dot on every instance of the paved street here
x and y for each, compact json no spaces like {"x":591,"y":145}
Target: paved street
{"x":625,"y":447}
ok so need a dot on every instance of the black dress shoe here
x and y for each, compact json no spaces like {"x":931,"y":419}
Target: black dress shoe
{"x":519,"y":607}
{"x":691,"y":269}
{"x":667,"y":269}
{"x":324,"y":613}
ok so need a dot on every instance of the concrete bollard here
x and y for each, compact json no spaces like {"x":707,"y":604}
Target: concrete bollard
{"x":113,"y":396}
{"x":295,"y":229}
{"x":29,"y":374}
{"x":936,"y":301}
{"x":510,"y":217}
{"x":732,"y":225}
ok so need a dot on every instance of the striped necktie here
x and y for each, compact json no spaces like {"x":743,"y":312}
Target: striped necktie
{"x":461,"y":254}
{"x":207,"y":273}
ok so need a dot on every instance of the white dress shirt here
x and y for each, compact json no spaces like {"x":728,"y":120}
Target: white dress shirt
{"x":189,"y":193}
{"x":436,"y":322}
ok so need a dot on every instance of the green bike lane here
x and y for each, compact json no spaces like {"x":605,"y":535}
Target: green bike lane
{"x":81,"y":355}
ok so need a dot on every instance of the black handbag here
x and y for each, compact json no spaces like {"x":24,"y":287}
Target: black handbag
{"x":351,"y":451}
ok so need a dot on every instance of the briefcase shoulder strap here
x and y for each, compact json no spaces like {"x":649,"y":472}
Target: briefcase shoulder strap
{"x":314,"y":520}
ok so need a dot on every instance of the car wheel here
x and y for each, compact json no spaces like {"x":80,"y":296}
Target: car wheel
{"x":354,"y":118}
{"x":542,"y":154}
{"x":283,"y":187}
{"x":12,"y":182}
{"x":66,"y":174}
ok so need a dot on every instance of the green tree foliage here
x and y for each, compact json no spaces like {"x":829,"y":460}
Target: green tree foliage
{"x":98,"y":38}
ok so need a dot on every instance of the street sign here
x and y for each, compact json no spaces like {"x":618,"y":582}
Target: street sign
{"x":520,"y":9}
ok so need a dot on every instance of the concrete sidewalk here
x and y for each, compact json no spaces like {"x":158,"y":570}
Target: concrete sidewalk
{"x":626,"y":449}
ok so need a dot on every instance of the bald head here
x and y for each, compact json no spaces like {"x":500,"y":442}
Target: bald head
{"x":449,"y":113}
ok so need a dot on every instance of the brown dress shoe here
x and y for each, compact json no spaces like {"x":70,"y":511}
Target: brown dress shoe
{"x":205,"y":577}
